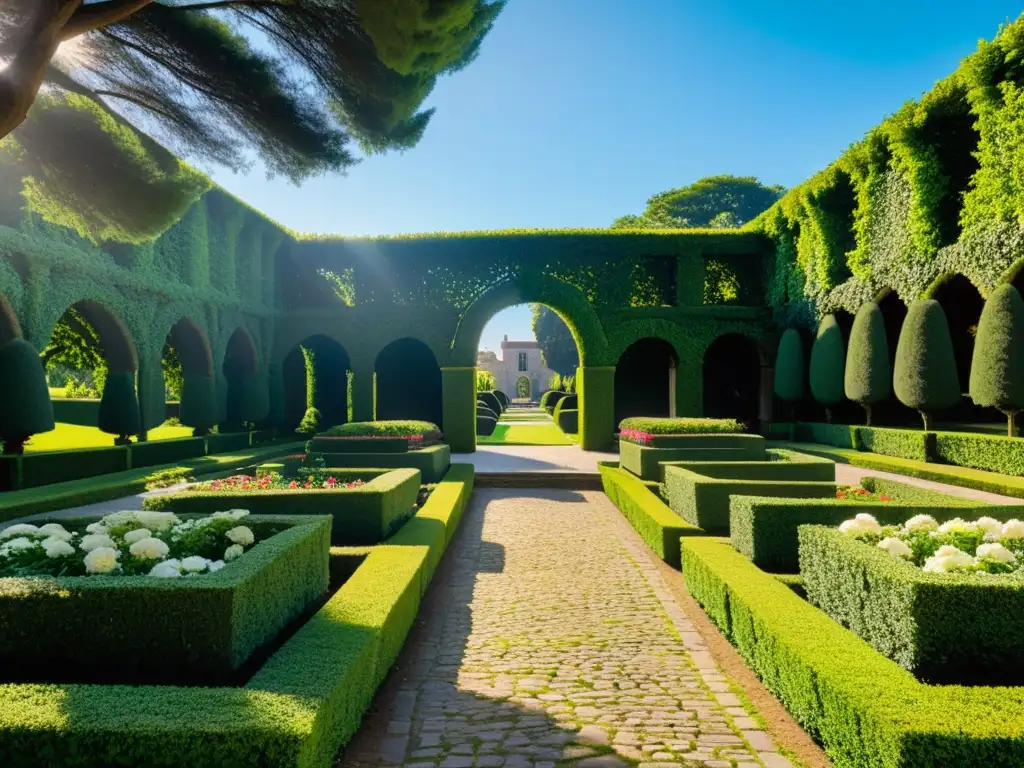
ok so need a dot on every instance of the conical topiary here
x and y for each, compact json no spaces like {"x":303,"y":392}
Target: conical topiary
{"x":827,"y":361}
{"x":25,"y":407}
{"x":868,"y":378}
{"x":997,"y":368}
{"x":119,"y":407}
{"x":789,"y":367}
{"x":198,"y":408}
{"x":925,"y":376}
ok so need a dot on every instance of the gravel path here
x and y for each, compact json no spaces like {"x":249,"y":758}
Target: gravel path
{"x":550,"y":636}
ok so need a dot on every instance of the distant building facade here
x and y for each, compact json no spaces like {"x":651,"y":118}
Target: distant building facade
{"x":519,"y":360}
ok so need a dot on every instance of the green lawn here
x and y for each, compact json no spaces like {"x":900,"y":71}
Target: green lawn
{"x":68,"y":436}
{"x":526,"y":434}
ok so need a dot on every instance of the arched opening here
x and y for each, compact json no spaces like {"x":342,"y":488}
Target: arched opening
{"x":894,"y":312}
{"x":645,"y":378}
{"x":91,"y":366}
{"x":408,"y":382}
{"x":247,"y":396}
{"x":844,"y":320}
{"x":317,"y":374}
{"x":732,"y":378}
{"x":9,"y":327}
{"x":189,"y":385}
{"x":523,"y":391}
{"x":962,"y":303}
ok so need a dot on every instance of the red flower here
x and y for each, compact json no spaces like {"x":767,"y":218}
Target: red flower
{"x":862,"y":492}
{"x":331,"y":482}
{"x":840,"y":494}
{"x":883,"y":497}
{"x":293,"y":484}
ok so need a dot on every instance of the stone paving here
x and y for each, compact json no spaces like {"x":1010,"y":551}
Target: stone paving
{"x":533,"y":458}
{"x":550,"y":638}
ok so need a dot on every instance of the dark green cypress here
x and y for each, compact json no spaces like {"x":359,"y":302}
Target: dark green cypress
{"x":925,"y":376}
{"x":997,"y":368}
{"x":198,"y":408}
{"x":119,"y":407}
{"x":868,"y":378}
{"x":827,"y":362}
{"x":25,"y":407}
{"x":789,"y":367}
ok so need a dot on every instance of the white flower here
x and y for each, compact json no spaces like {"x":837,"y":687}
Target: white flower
{"x":851,"y":528}
{"x":868,"y":523}
{"x":56,"y":531}
{"x":946,"y":551}
{"x":194,"y":564}
{"x":920,"y":523}
{"x":101,"y":560}
{"x":21,"y":529}
{"x":241,"y":535}
{"x":156,"y":521}
{"x":895,"y":547}
{"x":1013,"y":529}
{"x":118,"y":518}
{"x":137,"y":535}
{"x":149,"y":549}
{"x":957,"y":525}
{"x":95,"y":541}
{"x":996,"y":552}
{"x":991,"y":527}
{"x":235,"y":550}
{"x":168,"y":569}
{"x":57,"y":547}
{"x":947,"y":558}
{"x":215,"y":565}
{"x":19,"y":543}
{"x":231,"y":514}
{"x":96,"y":528}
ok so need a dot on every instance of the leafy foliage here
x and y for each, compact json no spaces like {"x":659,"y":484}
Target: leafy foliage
{"x":924,"y":377}
{"x":997,"y":369}
{"x":718,"y":202}
{"x":828,"y":359}
{"x":485,"y":381}
{"x":868,"y":375}
{"x":25,"y":407}
{"x":557,"y":346}
{"x":789,"y":367}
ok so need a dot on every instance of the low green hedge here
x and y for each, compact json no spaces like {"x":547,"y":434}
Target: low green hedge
{"x":765,"y":529}
{"x":364,"y":515}
{"x":704,"y":501}
{"x":133,"y":629}
{"x":80,"y":411}
{"x":432,"y":462}
{"x":491,"y":401}
{"x":324,"y":444}
{"x":987,"y":452}
{"x":503,"y":398}
{"x":645,"y":461}
{"x":485,"y":425}
{"x":149,"y":454}
{"x":483,"y":410}
{"x":945,"y":628}
{"x":284,"y":717}
{"x":226,"y":442}
{"x":543,"y":402}
{"x":657,"y":425}
{"x":568,"y":420}
{"x":32,"y":470}
{"x":657,"y":525}
{"x":902,"y":443}
{"x":780,"y":465}
{"x":551,"y":400}
{"x":865,"y":710}
{"x":839,"y":435}
{"x":407,"y":428}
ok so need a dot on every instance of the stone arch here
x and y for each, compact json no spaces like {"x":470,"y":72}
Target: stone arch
{"x":247,"y":397}
{"x":113,"y":337}
{"x":408,"y":382}
{"x":523,"y":388}
{"x":645,"y":379}
{"x":10,"y":328}
{"x":962,"y":303}
{"x":568,"y":302}
{"x":733,"y":378}
{"x":330,"y":371}
{"x":189,"y":340}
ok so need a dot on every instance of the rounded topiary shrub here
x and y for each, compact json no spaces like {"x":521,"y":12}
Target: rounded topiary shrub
{"x":491,"y":401}
{"x":569,"y":402}
{"x":868,"y":377}
{"x":25,"y":407}
{"x":483,"y":410}
{"x":789,"y":367}
{"x":485,"y":425}
{"x":925,"y":374}
{"x":198,"y":407}
{"x":997,"y":368}
{"x":119,"y":407}
{"x":505,"y":401}
{"x":547,"y":396}
{"x":554,"y":400}
{"x":827,"y":360}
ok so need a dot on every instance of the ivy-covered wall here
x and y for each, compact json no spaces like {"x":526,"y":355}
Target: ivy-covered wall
{"x":936,"y":190}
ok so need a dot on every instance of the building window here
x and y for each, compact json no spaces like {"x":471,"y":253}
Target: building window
{"x":522,"y":361}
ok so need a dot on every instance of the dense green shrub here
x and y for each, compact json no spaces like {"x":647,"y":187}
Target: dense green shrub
{"x":868,"y":375}
{"x":925,"y":374}
{"x":777,"y":464}
{"x":483,"y":410}
{"x":25,"y":407}
{"x":945,"y":628}
{"x":789,"y":367}
{"x":862,"y":708}
{"x":198,"y":408}
{"x":397,"y":428}
{"x":491,"y":401}
{"x":639,"y":429}
{"x":902,"y":443}
{"x":645,"y":461}
{"x":704,"y":501}
{"x":989,"y":452}
{"x":173,"y":631}
{"x":568,"y":420}
{"x":310,"y":423}
{"x":828,"y":358}
{"x":567,"y":403}
{"x":366,"y":514}
{"x":155,"y":452}
{"x":485,"y":425}
{"x":657,"y":525}
{"x":505,"y":401}
{"x":119,"y":406}
{"x":546,"y":397}
{"x":840,"y":435}
{"x":552,"y":401}
{"x":432,"y":461}
{"x":997,"y":368}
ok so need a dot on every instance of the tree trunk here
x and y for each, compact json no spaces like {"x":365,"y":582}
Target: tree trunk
{"x":828,"y":415}
{"x":867,"y":417}
{"x":927,"y":421}
{"x":1011,"y":423}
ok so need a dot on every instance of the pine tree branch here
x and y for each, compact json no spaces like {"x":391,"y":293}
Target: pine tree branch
{"x":97,"y":15}
{"x":215,"y":4}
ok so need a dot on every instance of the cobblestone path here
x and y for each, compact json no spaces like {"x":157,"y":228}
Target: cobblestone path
{"x":550,"y":638}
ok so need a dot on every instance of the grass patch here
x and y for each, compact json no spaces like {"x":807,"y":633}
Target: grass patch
{"x":67,"y":437}
{"x":526,"y":434}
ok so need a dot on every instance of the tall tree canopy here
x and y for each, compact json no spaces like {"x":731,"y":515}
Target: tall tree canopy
{"x":714,"y":201}
{"x":557,"y":346}
{"x":221,"y":81}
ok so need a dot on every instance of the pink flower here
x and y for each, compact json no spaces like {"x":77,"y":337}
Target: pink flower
{"x":330,"y":482}
{"x":293,"y":484}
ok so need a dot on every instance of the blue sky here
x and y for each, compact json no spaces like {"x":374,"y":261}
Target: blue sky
{"x":577,"y":111}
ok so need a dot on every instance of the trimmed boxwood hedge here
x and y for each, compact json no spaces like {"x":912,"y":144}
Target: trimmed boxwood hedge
{"x":363,"y":515}
{"x":657,"y":525}
{"x":505,"y":401}
{"x":491,"y":401}
{"x":945,"y":628}
{"x":989,"y":452}
{"x":432,"y":462}
{"x":323,"y":444}
{"x":864,"y":709}
{"x":568,"y":420}
{"x":387,"y":428}
{"x":149,"y":454}
{"x":645,"y":461}
{"x":704,"y":501}
{"x":284,"y":717}
{"x":133,"y":629}
{"x":551,"y":400}
{"x":485,"y":425}
{"x":764,"y":529}
{"x":780,"y":464}
{"x":668,"y":427}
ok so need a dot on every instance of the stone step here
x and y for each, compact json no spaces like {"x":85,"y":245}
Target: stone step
{"x":576,"y":481}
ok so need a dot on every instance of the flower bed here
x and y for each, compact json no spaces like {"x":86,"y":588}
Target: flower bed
{"x":309,"y":480}
{"x":151,"y":597}
{"x":661,"y":432}
{"x":943,"y":601}
{"x":417,"y":434}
